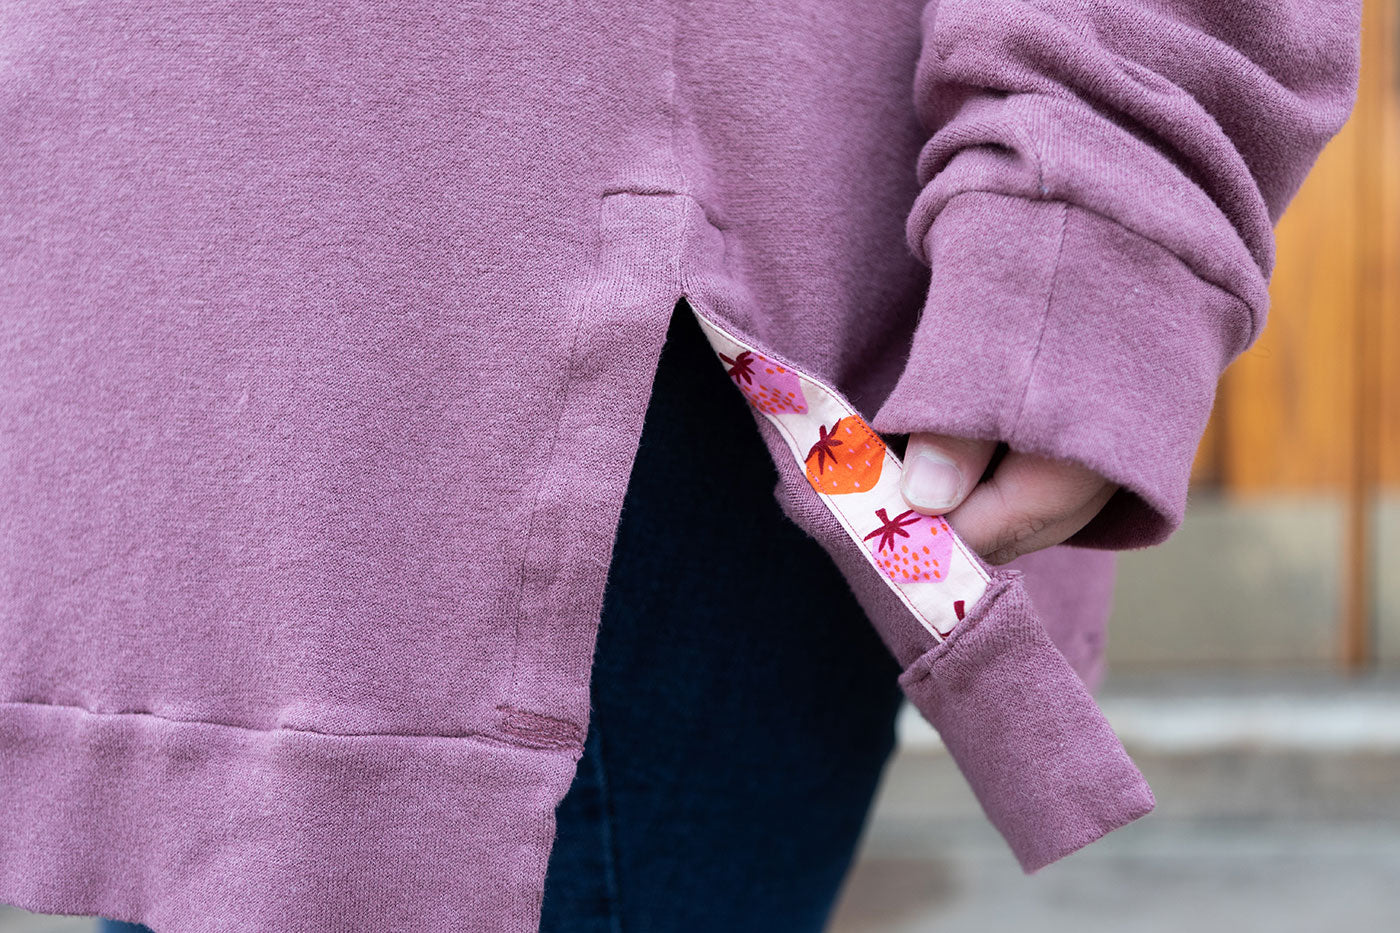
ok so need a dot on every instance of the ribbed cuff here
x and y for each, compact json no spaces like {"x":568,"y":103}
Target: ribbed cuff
{"x":1059,"y":331}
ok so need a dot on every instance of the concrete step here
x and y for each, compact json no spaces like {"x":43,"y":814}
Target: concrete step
{"x":1278,"y":808}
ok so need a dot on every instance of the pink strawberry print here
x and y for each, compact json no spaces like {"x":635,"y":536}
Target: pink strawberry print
{"x":770,"y":387}
{"x":912,"y":547}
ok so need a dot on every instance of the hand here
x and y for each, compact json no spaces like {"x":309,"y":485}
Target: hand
{"x":1028,"y":502}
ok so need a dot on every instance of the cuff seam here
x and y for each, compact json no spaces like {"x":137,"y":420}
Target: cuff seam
{"x":921,"y":668}
{"x":1013,"y":427}
{"x":1256,"y":316}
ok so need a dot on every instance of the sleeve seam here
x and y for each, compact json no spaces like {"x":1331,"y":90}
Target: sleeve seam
{"x":1014,"y":427}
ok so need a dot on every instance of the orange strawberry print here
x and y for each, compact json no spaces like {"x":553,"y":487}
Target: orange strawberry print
{"x":846,"y":459}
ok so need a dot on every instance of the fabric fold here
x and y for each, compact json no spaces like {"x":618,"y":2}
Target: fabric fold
{"x":1035,"y":748}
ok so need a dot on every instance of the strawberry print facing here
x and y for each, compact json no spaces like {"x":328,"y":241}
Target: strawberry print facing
{"x":857,"y":476}
{"x":848,"y":458}
{"x":912,"y":547}
{"x":769,"y":387}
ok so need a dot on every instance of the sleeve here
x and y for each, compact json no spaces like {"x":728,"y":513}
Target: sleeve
{"x":1096,"y":206}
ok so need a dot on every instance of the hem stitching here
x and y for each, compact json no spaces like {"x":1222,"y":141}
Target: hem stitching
{"x":470,"y":735}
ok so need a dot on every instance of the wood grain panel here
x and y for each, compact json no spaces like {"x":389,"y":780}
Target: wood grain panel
{"x":1321,"y":386}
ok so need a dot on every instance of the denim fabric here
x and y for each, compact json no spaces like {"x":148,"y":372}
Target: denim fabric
{"x":742,"y":706}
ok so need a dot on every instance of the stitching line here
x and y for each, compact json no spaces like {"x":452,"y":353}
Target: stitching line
{"x":922,"y":667}
{"x":1044,"y":319}
{"x":547,"y":462}
{"x":470,"y":735}
{"x":674,"y":149}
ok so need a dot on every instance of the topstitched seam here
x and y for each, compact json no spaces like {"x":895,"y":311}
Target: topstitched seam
{"x":485,"y":738}
{"x":547,"y":462}
{"x":1013,"y":428}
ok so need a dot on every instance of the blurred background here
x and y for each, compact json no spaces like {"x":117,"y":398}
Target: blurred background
{"x":1254,"y":657}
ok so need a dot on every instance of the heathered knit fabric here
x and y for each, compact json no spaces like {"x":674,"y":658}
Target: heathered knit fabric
{"x":327,"y":329}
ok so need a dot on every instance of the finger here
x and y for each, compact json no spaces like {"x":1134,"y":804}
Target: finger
{"x":1029,"y":503}
{"x":939,"y":471}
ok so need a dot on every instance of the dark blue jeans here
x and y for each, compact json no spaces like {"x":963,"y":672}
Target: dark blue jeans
{"x":743,"y":708}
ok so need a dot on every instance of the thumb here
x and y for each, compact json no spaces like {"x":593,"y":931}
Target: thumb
{"x":939,"y":471}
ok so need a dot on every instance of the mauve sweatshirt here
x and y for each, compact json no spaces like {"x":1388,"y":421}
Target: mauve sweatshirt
{"x":327,"y":330}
